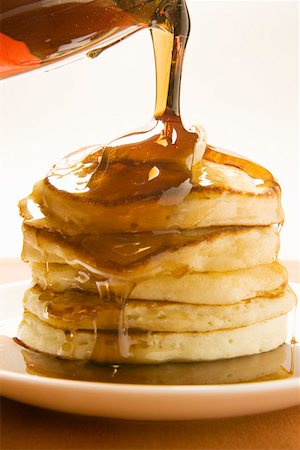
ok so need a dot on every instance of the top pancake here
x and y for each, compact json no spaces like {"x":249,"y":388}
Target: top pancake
{"x":81,"y":194}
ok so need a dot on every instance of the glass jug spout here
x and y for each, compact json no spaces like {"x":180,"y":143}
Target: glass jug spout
{"x":38,"y":32}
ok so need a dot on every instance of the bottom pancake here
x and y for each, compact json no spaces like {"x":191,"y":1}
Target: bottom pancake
{"x":261,"y":367}
{"x":149,"y":348}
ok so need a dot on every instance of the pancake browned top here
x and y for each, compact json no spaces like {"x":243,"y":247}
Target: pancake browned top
{"x":98,"y":191}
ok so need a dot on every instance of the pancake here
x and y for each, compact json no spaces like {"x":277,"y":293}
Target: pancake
{"x":141,"y":255}
{"x":156,"y":347}
{"x":213,"y":287}
{"x":264,"y":366}
{"x":76,"y":196}
{"x":73,"y":310}
{"x":191,"y":287}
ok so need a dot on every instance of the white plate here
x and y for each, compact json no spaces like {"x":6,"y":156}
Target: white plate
{"x":138,"y":401}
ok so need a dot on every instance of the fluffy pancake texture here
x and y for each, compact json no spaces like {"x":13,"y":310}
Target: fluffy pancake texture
{"x":72,"y":310}
{"x":155,"y":347}
{"x":152,"y":275}
{"x":190,"y":287}
{"x":138,"y":255}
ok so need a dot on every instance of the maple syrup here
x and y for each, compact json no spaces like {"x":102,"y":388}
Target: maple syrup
{"x":159,"y":164}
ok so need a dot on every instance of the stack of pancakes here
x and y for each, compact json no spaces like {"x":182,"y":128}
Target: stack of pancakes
{"x":188,"y":276}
